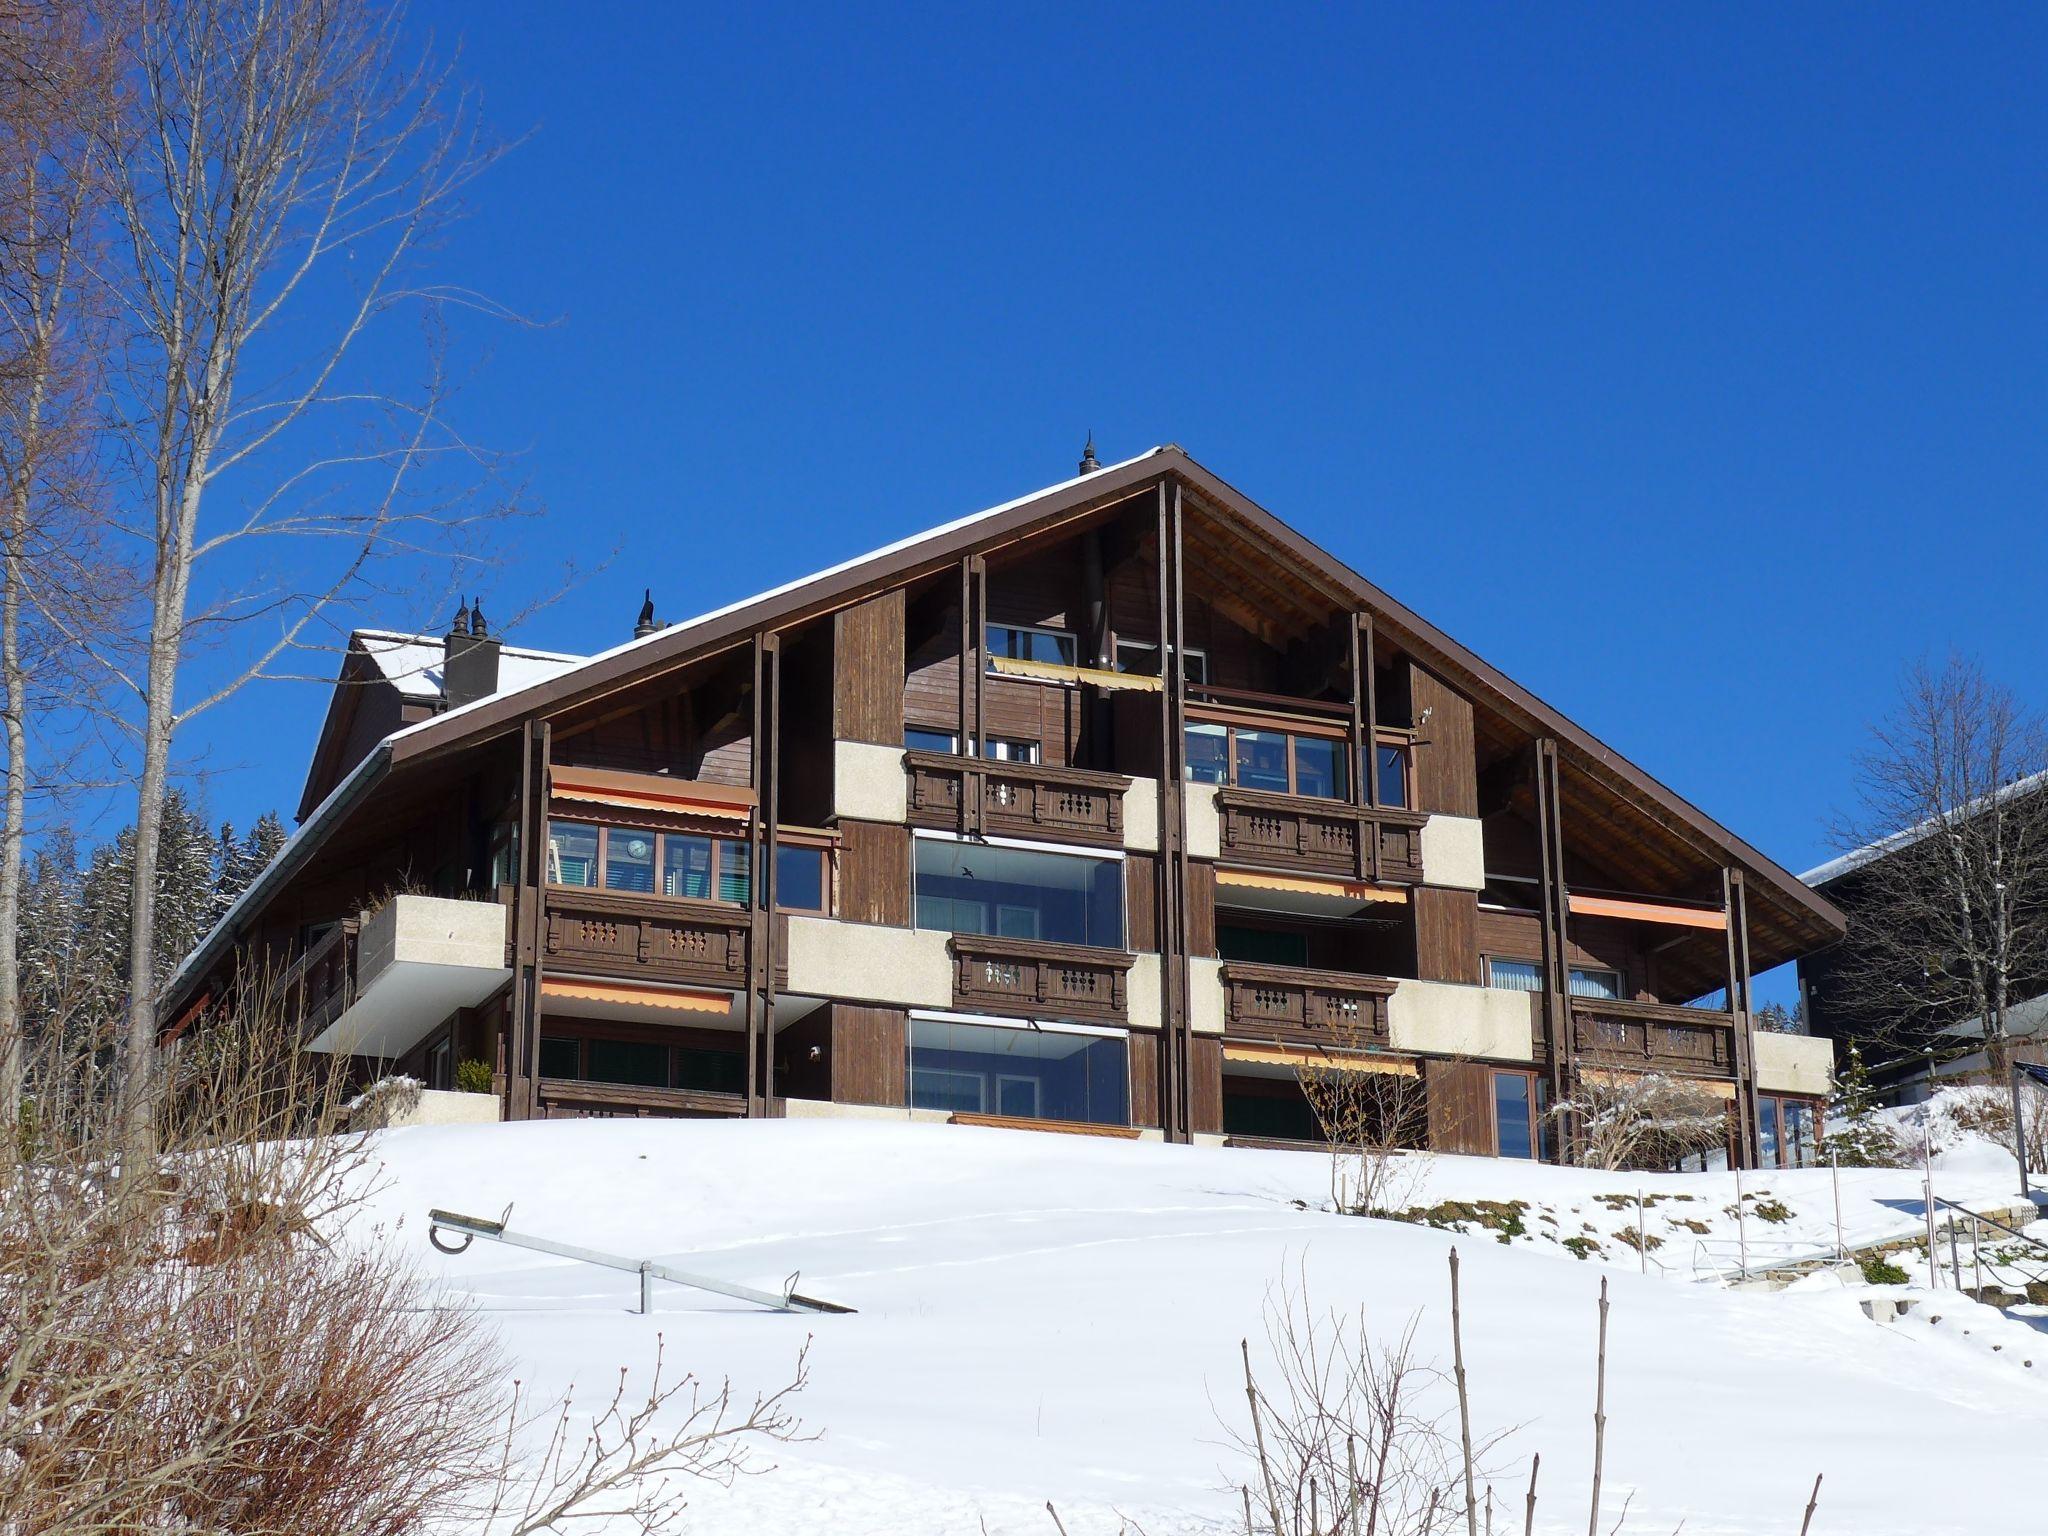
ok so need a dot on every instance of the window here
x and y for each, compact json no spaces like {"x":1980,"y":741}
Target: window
{"x":711,"y":1071}
{"x":1036,"y":1074}
{"x":572,"y":853}
{"x":1591,"y":983}
{"x":1000,"y":749}
{"x":629,"y":861}
{"x":733,"y":884}
{"x":560,"y":1056}
{"x":923,"y":739}
{"x":1208,"y":754}
{"x":441,"y":1063}
{"x":1260,"y":946}
{"x":639,"y":1063}
{"x":1393,"y":776}
{"x":686,"y":866}
{"x":1017,"y":642}
{"x":1514,"y":1114}
{"x":1514,"y":975}
{"x":1140,"y":658}
{"x":1767,"y":1130}
{"x":1019,"y":893}
{"x":800,"y":878}
{"x":505,"y":853}
{"x":1275,"y":761}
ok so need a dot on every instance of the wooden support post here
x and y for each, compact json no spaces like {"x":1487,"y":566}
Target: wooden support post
{"x":529,"y":920}
{"x":1176,"y":759}
{"x":1735,"y":902}
{"x":764,"y":872}
{"x":1174,"y":1064}
{"x":755,"y":948}
{"x":1556,"y":953}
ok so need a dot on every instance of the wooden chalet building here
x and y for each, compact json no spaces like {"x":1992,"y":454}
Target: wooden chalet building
{"x":938,"y":834}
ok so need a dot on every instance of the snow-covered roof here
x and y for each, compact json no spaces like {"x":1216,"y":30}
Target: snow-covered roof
{"x":412,"y":663}
{"x":1905,"y":837}
{"x":679,"y":631}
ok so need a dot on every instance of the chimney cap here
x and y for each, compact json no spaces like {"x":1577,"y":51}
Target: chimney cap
{"x":645,"y":625}
{"x":461,"y":624}
{"x":477,"y":624}
{"x":1088,"y":460}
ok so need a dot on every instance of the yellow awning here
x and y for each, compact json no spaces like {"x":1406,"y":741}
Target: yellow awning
{"x":1647,"y":911}
{"x":1053,"y":672}
{"x":674,"y":998}
{"x":1281,"y":1056}
{"x":1308,"y":885}
{"x":1714,"y":1086}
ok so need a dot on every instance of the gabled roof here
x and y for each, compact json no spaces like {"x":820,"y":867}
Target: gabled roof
{"x":641,"y":658}
{"x":412,"y":663}
{"x":1906,"y":837}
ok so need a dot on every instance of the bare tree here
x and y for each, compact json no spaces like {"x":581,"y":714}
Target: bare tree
{"x":55,"y":88}
{"x":1949,"y":916}
{"x":283,"y":170}
{"x":1643,"y":1120}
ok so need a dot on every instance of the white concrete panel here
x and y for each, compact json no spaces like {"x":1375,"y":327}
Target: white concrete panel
{"x":825,"y":1109}
{"x":1141,"y":992}
{"x":1447,"y":1019}
{"x":1141,"y":815}
{"x":1205,"y":825}
{"x":1453,"y":852}
{"x":868,"y":782}
{"x":1794,"y":1063}
{"x":439,"y":1106}
{"x":1205,"y":995}
{"x":908,"y":967}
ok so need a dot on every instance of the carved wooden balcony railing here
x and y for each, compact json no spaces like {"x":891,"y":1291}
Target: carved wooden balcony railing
{"x":652,"y":938}
{"x":1022,"y":976}
{"x":965,"y":794}
{"x":1324,"y":836}
{"x":564,"y":1098}
{"x":1693,"y":1042}
{"x":1286,"y":1002}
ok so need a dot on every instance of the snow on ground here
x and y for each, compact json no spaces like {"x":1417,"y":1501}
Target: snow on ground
{"x":1053,"y":1317}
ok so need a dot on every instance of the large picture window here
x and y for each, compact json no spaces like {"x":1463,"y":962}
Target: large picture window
{"x":693,"y":865}
{"x":1287,"y":762}
{"x":1019,"y":893}
{"x":1140,"y":658}
{"x":1022,"y":1072}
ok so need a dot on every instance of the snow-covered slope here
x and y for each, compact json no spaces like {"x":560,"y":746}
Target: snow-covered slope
{"x":1048,"y":1317}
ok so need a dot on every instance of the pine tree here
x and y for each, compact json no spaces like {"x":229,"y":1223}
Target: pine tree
{"x":240,"y":861}
{"x":1856,"y":1137}
{"x":51,"y":903}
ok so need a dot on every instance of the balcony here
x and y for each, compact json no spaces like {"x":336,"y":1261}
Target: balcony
{"x":649,"y":938}
{"x":1693,"y":1042}
{"x":963,"y":794}
{"x":1029,"y":979}
{"x":572,"y":1098}
{"x":1295,"y":832}
{"x":375,"y":989}
{"x":1283,"y":1002}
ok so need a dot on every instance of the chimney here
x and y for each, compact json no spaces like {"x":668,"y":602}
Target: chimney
{"x":1088,"y":464}
{"x":645,"y":625}
{"x":469,"y":665}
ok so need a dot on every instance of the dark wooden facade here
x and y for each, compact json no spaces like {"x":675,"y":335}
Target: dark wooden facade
{"x":1322,"y":807}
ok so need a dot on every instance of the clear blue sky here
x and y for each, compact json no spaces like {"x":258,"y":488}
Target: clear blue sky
{"x":1691,"y":369}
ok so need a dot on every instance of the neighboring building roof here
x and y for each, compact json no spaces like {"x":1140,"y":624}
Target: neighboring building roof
{"x":1906,"y":837}
{"x":412,"y":663}
{"x":643,"y":656}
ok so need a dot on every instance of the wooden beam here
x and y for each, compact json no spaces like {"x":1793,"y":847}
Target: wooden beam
{"x":1647,"y":912}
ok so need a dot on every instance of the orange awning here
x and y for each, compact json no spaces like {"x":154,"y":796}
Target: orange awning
{"x":1719,"y":1088}
{"x":1648,"y":912}
{"x":640,"y":997}
{"x":1307,"y":885}
{"x":651,"y":792}
{"x":1280,"y":1056}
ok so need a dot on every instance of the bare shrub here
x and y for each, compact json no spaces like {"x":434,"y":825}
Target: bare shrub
{"x":1368,"y":1119}
{"x":1344,"y":1435}
{"x":208,"y":1343}
{"x":1641,"y":1120}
